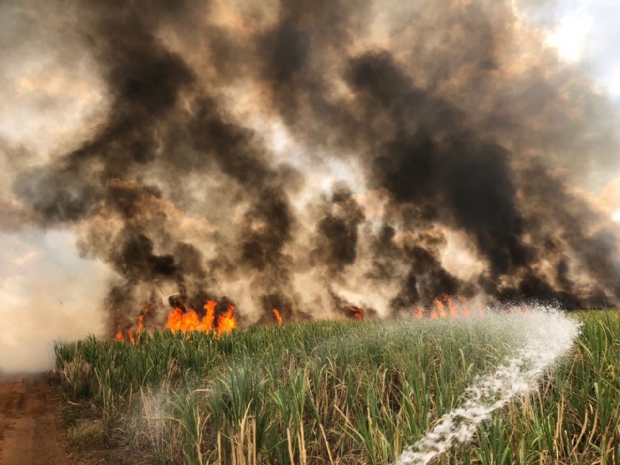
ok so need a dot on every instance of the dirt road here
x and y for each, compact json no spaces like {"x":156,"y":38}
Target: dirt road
{"x":30,"y":428}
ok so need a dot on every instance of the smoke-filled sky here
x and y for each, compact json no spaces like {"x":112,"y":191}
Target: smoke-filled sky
{"x":302,"y":155}
{"x":585,"y":32}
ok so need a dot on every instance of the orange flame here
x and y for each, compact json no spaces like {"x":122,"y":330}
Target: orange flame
{"x":453,"y":312}
{"x":183,"y":320}
{"x":118,"y":333}
{"x":131,"y":334}
{"x":143,"y":315}
{"x":178,"y":320}
{"x":209,"y":318}
{"x":227,"y":322}
{"x":442,"y":310}
{"x":357,"y":312}
{"x":466,"y":311}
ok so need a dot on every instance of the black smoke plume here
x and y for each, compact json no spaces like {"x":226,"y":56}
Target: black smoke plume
{"x":444,"y":124}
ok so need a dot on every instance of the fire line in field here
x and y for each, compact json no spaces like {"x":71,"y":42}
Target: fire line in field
{"x":188,"y":320}
{"x":183,"y":320}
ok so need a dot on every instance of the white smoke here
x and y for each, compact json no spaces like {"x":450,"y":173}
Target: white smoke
{"x":549,"y":335}
{"x":48,"y":293}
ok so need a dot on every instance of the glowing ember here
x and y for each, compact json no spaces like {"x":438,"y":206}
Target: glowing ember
{"x":418,"y":314}
{"x":357,"y":312}
{"x":276,"y":313}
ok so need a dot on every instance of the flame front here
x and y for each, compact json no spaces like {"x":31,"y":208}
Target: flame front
{"x":183,"y":320}
{"x":131,"y":334}
{"x":142,"y":316}
{"x":227,"y":322}
{"x":441,"y":308}
{"x":209,"y":318}
{"x":466,"y":311}
{"x":180,"y":320}
{"x":453,"y":312}
{"x":118,"y":332}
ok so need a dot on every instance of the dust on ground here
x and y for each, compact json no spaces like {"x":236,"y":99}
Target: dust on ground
{"x":31,"y":431}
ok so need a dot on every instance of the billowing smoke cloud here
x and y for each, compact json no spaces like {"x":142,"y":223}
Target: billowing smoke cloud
{"x":458,"y":118}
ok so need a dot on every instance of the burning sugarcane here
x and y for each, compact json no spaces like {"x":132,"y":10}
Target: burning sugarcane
{"x":184,"y":319}
{"x":357,"y":312}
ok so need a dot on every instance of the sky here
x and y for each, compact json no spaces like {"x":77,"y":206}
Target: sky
{"x":40,"y":108}
{"x":586,"y":33}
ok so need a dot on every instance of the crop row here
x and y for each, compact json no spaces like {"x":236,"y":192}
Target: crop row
{"x":343,"y":392}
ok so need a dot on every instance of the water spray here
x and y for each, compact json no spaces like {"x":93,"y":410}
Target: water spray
{"x":549,"y":335}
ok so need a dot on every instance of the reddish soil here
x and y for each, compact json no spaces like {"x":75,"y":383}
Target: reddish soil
{"x":30,"y":428}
